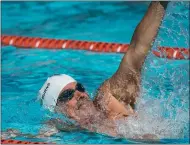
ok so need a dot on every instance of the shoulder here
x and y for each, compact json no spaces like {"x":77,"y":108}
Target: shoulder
{"x":101,"y":92}
{"x":107,"y":103}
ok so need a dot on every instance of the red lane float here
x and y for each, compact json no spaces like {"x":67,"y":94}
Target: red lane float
{"x":36,"y":42}
{"x":10,"y":141}
{"x":172,"y":53}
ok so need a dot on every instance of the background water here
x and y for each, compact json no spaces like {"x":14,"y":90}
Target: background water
{"x":163,"y":107}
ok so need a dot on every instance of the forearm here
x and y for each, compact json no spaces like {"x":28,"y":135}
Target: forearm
{"x":147,"y":29}
{"x":143,"y":37}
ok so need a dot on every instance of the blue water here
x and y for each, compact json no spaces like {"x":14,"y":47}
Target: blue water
{"x":165,"y":83}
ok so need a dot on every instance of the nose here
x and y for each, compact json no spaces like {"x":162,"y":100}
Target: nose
{"x":81,"y":94}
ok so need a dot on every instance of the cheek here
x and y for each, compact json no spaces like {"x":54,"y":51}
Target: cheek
{"x":72,"y":114}
{"x":72,"y":103}
{"x":71,"y":109}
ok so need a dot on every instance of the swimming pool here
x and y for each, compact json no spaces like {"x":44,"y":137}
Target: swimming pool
{"x":164,"y":100}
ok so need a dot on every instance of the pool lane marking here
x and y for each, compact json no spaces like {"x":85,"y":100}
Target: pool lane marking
{"x":64,"y":45}
{"x":174,"y":54}
{"x":118,"y":49}
{"x":91,"y":46}
{"x":37,"y":44}
{"x":11,"y":41}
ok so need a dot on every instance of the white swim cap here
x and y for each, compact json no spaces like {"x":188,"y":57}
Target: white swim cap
{"x":51,"y":89}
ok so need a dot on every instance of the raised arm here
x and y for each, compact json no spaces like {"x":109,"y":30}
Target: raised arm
{"x":144,"y":36}
{"x":124,"y":85}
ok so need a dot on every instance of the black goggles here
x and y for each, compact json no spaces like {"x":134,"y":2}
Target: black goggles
{"x":69,"y":93}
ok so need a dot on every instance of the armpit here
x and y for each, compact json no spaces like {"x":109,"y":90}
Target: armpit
{"x":126,"y":87}
{"x":101,"y":97}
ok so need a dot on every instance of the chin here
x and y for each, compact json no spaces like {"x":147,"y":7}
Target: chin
{"x":86,"y":111}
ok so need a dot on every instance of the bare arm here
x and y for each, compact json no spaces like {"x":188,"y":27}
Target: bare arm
{"x":144,"y":36}
{"x":124,"y":84}
{"x":126,"y":81}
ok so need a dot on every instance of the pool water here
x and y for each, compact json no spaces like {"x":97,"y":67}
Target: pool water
{"x":163,"y":106}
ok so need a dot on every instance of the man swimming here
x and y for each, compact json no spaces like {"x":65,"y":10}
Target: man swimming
{"x":116,"y":97}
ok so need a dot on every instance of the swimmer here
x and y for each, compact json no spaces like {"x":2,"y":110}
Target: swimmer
{"x":116,"y":97}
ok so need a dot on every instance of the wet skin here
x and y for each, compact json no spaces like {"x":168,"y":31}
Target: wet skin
{"x":116,"y":97}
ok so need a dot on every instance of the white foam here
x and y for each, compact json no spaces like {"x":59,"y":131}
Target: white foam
{"x":163,"y":107}
{"x":151,"y":121}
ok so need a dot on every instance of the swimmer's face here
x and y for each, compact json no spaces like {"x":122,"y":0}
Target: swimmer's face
{"x":75,"y":102}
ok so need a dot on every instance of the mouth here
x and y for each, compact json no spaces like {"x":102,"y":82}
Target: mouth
{"x":83,"y":103}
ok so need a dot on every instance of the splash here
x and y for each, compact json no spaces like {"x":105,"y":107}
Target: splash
{"x":150,"y":120}
{"x":163,"y":107}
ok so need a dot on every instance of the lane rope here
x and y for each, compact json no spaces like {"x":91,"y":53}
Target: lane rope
{"x":10,"y":141}
{"x":47,"y":43}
